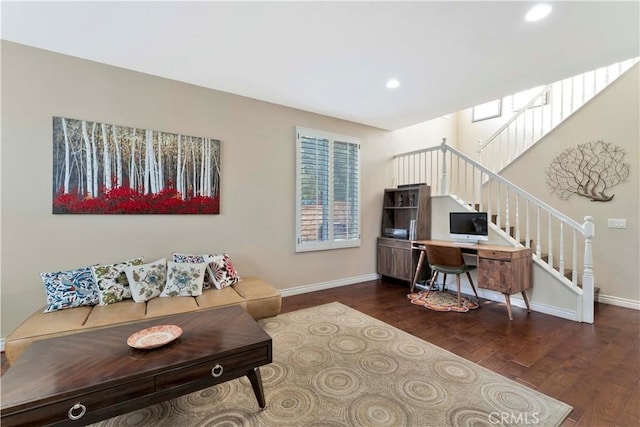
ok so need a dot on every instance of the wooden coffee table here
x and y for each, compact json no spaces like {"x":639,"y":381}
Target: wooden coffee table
{"x":90,"y":376}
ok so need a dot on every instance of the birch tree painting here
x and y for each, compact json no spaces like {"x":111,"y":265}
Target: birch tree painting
{"x":100,"y":168}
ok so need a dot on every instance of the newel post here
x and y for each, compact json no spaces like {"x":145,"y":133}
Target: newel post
{"x":588,"y":281}
{"x":443,"y":178}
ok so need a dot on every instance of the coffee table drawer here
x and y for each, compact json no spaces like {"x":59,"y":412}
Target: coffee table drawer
{"x":218,"y":369}
{"x":77,"y":408}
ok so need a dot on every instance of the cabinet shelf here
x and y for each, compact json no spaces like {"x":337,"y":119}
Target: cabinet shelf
{"x":407,"y":214}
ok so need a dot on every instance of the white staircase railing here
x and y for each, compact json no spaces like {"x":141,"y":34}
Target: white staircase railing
{"x":521,"y":217}
{"x":546,"y":110}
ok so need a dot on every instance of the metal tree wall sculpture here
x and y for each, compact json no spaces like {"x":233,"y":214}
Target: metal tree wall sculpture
{"x":589,"y":170}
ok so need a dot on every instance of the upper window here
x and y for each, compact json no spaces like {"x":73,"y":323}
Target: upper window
{"x":327,"y":190}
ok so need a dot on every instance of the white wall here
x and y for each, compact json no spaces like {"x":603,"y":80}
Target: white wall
{"x":257,"y":220}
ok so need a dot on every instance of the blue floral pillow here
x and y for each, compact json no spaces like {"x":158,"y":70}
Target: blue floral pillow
{"x":184,"y":279}
{"x":68,"y":289}
{"x":147,"y":281}
{"x":196,"y":259}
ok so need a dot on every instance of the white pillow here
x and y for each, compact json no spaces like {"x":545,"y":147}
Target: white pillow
{"x":147,"y":280}
{"x":184,"y":279}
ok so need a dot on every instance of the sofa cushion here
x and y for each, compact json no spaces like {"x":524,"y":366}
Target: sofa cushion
{"x":125,"y":311}
{"x":219,"y":298}
{"x":252,"y":288}
{"x":167,"y":306}
{"x":112,"y":282}
{"x":147,"y":280}
{"x":68,"y":289}
{"x":184,"y":279}
{"x":40,"y":323}
{"x":262,"y":298}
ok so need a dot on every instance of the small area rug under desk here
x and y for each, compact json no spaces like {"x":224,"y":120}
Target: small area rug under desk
{"x":442,"y":301}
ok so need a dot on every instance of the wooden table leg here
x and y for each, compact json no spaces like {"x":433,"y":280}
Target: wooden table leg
{"x":526,"y":300}
{"x":256,"y":382}
{"x":417,"y":273}
{"x":508,"y":300}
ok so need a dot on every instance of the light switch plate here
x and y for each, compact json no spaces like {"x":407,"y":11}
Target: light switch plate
{"x":616,"y":223}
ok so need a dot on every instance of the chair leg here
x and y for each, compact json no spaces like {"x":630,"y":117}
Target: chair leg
{"x":458,"y":284}
{"x":474,"y":288}
{"x":433,"y":279}
{"x":444,"y":283}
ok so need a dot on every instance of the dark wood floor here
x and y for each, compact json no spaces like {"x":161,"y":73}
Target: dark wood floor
{"x":594,"y":368}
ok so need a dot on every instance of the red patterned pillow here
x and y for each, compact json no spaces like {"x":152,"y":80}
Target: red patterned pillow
{"x":221,"y":271}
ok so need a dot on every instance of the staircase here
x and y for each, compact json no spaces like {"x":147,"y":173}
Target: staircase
{"x":548,"y":108}
{"x":561,"y":246}
{"x":558,"y":242}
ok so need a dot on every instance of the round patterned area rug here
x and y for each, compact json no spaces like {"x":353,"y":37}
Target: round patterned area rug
{"x":442,"y":301}
{"x":336,"y":367}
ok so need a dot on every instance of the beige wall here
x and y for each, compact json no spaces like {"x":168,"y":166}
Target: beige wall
{"x":257,"y":220}
{"x":613,"y":117}
{"x":426,"y":134}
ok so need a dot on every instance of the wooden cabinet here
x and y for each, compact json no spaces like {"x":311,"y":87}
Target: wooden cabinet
{"x":394,"y":258}
{"x":406,"y":216}
{"x":506,"y":270}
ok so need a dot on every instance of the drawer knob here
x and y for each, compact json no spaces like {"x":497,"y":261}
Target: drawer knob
{"x":75,"y":408}
{"x":217,"y":370}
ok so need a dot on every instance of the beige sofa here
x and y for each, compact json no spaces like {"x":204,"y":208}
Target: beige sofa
{"x":259,"y":298}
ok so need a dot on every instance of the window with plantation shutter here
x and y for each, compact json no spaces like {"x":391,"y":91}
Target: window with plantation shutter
{"x":328,"y":190}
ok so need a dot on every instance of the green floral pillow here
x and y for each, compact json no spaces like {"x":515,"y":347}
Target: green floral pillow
{"x":184,"y":279}
{"x":147,"y":280}
{"x":112,"y":282}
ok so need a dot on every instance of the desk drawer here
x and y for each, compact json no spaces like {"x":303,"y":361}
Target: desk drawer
{"x":215,"y":370}
{"x":80,"y":406}
{"x":494,"y":254}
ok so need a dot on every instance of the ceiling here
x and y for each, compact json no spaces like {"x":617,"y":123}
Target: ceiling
{"x":334,"y":58}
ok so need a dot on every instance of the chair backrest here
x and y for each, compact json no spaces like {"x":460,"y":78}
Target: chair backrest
{"x":447,"y":256}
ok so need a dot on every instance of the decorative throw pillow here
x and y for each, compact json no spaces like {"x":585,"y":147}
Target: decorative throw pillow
{"x":112,"y":282}
{"x":184,"y":279}
{"x":196,"y":259}
{"x":67,"y":289}
{"x":221,"y":270}
{"x":147,"y":280}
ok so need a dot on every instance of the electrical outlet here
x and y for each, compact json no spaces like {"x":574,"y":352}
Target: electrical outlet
{"x":616,"y":223}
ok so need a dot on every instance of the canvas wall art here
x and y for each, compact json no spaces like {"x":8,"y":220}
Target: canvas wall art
{"x":101,"y":168}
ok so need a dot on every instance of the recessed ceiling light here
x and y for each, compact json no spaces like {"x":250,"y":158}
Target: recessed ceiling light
{"x":392,"y":84}
{"x":538,"y":12}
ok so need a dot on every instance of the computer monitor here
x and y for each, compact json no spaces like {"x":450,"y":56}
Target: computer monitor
{"x":469,"y":227}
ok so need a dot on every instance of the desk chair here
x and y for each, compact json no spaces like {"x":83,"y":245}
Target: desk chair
{"x":448,"y":260}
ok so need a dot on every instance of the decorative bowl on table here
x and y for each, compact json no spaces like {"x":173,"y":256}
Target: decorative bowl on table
{"x":153,"y":337}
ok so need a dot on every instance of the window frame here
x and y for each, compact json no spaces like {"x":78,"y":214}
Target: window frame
{"x":331,"y":243}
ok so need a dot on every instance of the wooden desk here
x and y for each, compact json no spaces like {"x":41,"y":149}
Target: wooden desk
{"x":505,"y":269}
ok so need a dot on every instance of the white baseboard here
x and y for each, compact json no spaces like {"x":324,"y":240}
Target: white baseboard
{"x":620,"y":302}
{"x":303,"y":289}
{"x":1,"y":344}
{"x":516,"y":302}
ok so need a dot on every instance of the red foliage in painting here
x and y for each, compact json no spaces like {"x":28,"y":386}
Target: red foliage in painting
{"x":125,"y":200}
